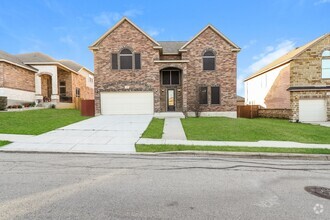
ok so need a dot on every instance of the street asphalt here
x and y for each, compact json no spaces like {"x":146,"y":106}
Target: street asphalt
{"x":91,"y":186}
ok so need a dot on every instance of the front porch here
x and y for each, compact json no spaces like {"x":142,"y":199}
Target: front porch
{"x":54,"y":87}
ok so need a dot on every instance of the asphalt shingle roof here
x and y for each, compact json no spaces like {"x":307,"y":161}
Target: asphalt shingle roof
{"x":71,"y":65}
{"x":13,"y":59}
{"x":171,"y":46}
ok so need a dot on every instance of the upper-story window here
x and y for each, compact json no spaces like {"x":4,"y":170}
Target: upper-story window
{"x":209,"y":60}
{"x":326,"y":64}
{"x":124,"y":60}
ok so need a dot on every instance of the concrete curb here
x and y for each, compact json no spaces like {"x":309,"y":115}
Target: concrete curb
{"x":281,"y":156}
{"x":252,"y":155}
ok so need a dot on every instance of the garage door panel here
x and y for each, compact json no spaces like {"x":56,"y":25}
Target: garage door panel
{"x":127,"y":103}
{"x":312,"y":110}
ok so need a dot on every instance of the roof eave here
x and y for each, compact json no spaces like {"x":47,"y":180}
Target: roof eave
{"x":269,"y":69}
{"x":16,"y":64}
{"x":51,"y":63}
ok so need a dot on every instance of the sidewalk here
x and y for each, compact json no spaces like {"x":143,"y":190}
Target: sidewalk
{"x":15,"y":137}
{"x":279,"y":144}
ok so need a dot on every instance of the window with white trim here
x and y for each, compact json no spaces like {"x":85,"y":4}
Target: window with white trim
{"x":326,"y":64}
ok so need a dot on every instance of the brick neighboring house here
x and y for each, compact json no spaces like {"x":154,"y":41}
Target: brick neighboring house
{"x":31,"y":77}
{"x":134,"y":74}
{"x":299,"y":80}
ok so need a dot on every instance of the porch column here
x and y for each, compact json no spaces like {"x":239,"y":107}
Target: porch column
{"x":55,"y":97}
{"x":38,"y":95}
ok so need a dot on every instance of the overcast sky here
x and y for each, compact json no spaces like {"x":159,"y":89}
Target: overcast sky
{"x":63,"y":29}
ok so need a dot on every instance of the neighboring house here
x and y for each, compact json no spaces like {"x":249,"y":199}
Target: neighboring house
{"x":240,"y":100}
{"x":134,"y":74}
{"x":34,"y":77}
{"x":299,"y":80}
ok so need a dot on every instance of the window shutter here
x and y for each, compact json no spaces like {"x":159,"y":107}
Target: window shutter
{"x":203,"y":95}
{"x":114,"y":61}
{"x":137,"y":59}
{"x":215,"y":95}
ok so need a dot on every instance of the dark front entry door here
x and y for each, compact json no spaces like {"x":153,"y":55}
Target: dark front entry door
{"x":171,"y":100}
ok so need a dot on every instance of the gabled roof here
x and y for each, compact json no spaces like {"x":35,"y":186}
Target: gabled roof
{"x":40,"y":58}
{"x":236,"y":48}
{"x":6,"y":57}
{"x":286,"y":58}
{"x":96,"y":43}
{"x":171,"y":47}
{"x":74,"y":66}
{"x":35,"y":57}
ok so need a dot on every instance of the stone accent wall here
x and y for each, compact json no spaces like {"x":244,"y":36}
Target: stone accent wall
{"x":15,"y":77}
{"x":224,"y":75}
{"x":145,"y":79}
{"x":275,"y":113}
{"x":278,"y":95}
{"x":306,"y":70}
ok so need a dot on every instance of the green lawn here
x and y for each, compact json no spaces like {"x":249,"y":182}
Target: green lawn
{"x":155,"y":129}
{"x":227,"y":129}
{"x":165,"y":148}
{"x":37,"y":121}
{"x":3,"y":143}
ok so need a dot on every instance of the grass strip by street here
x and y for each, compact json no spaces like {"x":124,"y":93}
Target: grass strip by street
{"x":37,"y":121}
{"x":241,"y":129}
{"x":155,"y":129}
{"x":3,"y":143}
{"x":167,"y":148}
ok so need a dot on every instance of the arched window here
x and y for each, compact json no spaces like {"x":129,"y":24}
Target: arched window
{"x":326,"y":64}
{"x":126,"y":59}
{"x":209,"y":60}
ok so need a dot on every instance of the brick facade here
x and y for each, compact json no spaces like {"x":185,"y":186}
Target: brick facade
{"x":306,"y":70}
{"x":278,"y":96}
{"x":153,"y":61}
{"x":15,"y":77}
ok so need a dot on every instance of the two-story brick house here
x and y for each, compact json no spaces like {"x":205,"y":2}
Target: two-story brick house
{"x":299,"y":80}
{"x":134,"y":74}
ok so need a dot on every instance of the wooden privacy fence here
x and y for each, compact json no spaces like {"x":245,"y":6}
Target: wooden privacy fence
{"x":255,"y":111}
{"x":87,"y":108}
{"x":247,"y":111}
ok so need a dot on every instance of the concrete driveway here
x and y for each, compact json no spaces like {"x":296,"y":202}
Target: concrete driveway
{"x":101,"y":134}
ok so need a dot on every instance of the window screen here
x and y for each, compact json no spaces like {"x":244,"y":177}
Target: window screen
{"x":208,"y":60}
{"x":215,"y":95}
{"x":137,"y":60}
{"x":326,"y":64}
{"x":203,"y":95}
{"x":114,"y":61}
{"x":126,"y":62}
{"x":175,"y":77}
{"x":166,"y":77}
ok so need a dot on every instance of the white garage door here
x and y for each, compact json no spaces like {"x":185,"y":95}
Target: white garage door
{"x":124,"y":103}
{"x":312,"y":110}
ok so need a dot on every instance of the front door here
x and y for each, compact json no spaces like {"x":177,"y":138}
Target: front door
{"x":171,"y":100}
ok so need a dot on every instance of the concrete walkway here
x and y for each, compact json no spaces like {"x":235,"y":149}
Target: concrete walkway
{"x":15,"y":137}
{"x":281,"y":144}
{"x":173,"y":129}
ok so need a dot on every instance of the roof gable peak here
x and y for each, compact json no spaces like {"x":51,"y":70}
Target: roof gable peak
{"x":210,"y":26}
{"x":98,"y":41}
